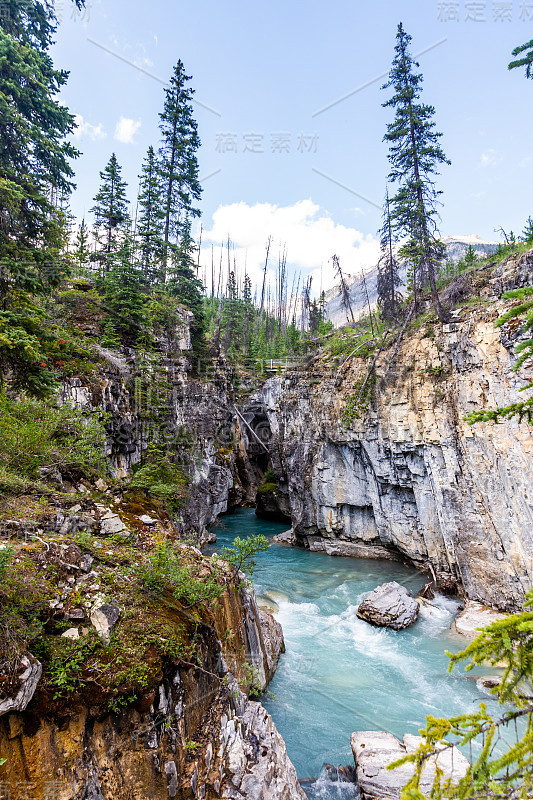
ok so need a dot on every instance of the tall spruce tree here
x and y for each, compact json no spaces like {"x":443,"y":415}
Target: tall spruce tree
{"x":34,"y":172}
{"x":150,"y":224}
{"x":178,"y":164}
{"x":81,"y":251}
{"x":110,"y":213}
{"x":524,"y":60}
{"x":125,"y":299}
{"x":415,"y":155}
{"x":388,"y":270}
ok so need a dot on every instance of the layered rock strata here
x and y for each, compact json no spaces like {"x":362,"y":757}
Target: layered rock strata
{"x":408,"y":478}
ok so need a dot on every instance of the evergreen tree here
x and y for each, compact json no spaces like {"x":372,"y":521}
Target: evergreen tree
{"x":248,"y":314}
{"x":232,"y":316}
{"x":188,"y":289}
{"x":525,"y":60}
{"x":110,"y":212}
{"x":470,"y":256}
{"x":527,"y":233}
{"x":414,"y":154}
{"x":81,"y":250}
{"x":125,"y":300}
{"x":178,"y":164}
{"x":388,"y":275}
{"x":150,"y":223}
{"x":34,"y":171}
{"x":502,"y":767}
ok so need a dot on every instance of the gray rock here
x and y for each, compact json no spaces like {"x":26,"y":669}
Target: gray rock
{"x":473,"y":617}
{"x":86,"y":562}
{"x":111,"y":523}
{"x":374,"y":750}
{"x":30,"y":677}
{"x":287,"y":537}
{"x":52,"y":476}
{"x":273,"y":640}
{"x":255,"y":757}
{"x":172,"y":778}
{"x":104,"y":620}
{"x":72,"y":633}
{"x":390,"y":606}
{"x":146,"y":520}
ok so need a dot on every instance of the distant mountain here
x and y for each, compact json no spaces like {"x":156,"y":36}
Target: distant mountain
{"x":456,"y":247}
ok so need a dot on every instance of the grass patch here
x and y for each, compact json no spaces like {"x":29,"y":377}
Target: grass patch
{"x":37,"y":435}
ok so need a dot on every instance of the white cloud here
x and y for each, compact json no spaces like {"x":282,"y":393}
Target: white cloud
{"x":309,"y":234}
{"x":126,"y":129}
{"x":94,"y":132}
{"x":489,"y":158}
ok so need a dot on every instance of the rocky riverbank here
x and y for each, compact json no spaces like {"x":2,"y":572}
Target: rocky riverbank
{"x":128,"y":692}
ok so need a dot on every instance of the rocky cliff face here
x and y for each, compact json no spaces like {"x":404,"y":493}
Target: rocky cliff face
{"x":165,"y":399}
{"x":184,"y":728}
{"x":411,"y":479}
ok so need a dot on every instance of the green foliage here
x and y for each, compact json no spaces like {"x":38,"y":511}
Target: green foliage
{"x":23,"y":342}
{"x":178,"y":164}
{"x":415,"y":155}
{"x":35,"y":154}
{"x":523,"y":313}
{"x":503,"y":766}
{"x":187,"y":288}
{"x":170,"y":569}
{"x":160,"y":478}
{"x":81,"y":251}
{"x":65,"y":661}
{"x":7,"y":554}
{"x":358,"y":403}
{"x":388,"y":281}
{"x":525,"y":60}
{"x":267,"y":487}
{"x":36,"y":434}
{"x":527,"y":233}
{"x":25,"y":593}
{"x":110,"y":212}
{"x":150,"y":224}
{"x":241,"y":555}
{"x":124,"y":297}
{"x":191,"y":746}
{"x":346,"y":341}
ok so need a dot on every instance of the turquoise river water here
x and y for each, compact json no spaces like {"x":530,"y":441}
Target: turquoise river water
{"x":340,"y":674}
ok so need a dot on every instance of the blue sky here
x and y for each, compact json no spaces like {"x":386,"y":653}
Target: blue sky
{"x":266,"y":69}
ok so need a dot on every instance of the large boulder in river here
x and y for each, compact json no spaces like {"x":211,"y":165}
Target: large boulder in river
{"x":390,"y":606}
{"x":373,"y":751}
